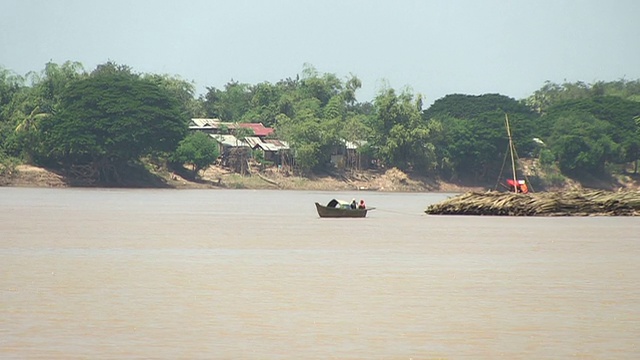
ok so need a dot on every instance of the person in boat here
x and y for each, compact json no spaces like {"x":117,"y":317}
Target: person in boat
{"x":362,"y":205}
{"x":354,"y":205}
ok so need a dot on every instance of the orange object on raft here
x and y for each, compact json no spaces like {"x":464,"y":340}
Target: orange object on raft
{"x":520,"y":186}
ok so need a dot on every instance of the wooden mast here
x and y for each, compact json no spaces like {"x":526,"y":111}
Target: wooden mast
{"x":513,"y":162}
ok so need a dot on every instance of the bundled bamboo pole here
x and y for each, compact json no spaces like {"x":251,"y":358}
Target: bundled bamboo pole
{"x":569,"y":203}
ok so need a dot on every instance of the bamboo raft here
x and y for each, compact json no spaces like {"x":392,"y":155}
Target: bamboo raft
{"x":569,"y":203}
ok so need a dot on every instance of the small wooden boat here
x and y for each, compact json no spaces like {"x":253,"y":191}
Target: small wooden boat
{"x":340,"y":209}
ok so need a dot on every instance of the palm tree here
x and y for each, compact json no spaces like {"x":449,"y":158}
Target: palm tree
{"x":29,"y":128}
{"x":30,"y":123}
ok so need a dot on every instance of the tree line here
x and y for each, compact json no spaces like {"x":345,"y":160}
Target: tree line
{"x":107,"y":119}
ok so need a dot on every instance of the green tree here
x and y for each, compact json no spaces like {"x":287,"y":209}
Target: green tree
{"x":10,"y":85}
{"x":462,"y":106}
{"x":552,"y":94}
{"x":11,"y":89}
{"x":401,"y":137}
{"x":582,"y":144}
{"x":181,"y":90}
{"x":27,"y":133}
{"x":111,"y":118}
{"x":351,"y":86}
{"x":472,"y":149}
{"x":229,"y":104}
{"x":30,"y":105}
{"x":474,"y":142}
{"x":49,"y":85}
{"x":198,"y":150}
{"x":616,"y":111}
{"x":264,"y":104}
{"x":318,"y":87}
{"x":306,"y":138}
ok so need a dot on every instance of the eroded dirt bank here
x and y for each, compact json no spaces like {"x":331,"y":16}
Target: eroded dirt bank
{"x":391,"y":180}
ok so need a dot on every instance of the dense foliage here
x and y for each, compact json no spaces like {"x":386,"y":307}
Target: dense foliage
{"x":110,"y":118}
{"x":99,"y":121}
{"x":586,"y":134}
{"x":474,"y":141}
{"x":65,"y":116}
{"x":197,"y":149}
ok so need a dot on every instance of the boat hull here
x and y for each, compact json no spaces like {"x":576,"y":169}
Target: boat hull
{"x":332,"y":212}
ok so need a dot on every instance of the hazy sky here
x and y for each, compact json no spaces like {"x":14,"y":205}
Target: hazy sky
{"x":434,"y":47}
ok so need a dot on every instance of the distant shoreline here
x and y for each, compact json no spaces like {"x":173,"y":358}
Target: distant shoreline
{"x":391,"y":180}
{"x":218,"y":178}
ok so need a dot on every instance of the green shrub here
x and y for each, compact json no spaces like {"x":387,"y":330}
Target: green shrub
{"x":7,"y":165}
{"x":547,"y":158}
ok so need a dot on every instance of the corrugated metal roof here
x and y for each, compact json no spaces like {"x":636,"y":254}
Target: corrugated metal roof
{"x":204,"y":122}
{"x":279,"y":143}
{"x":352,"y":145}
{"x":228,"y":140}
{"x":258,"y":128}
{"x":253,"y":141}
{"x":268,"y":147}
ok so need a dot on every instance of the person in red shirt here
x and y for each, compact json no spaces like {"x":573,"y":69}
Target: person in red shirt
{"x":362,"y":205}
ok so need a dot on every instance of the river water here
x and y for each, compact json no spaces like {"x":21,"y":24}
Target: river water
{"x":241,"y":274}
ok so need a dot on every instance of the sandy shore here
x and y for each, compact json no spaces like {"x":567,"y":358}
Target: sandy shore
{"x":392,"y":180}
{"x":215,"y":177}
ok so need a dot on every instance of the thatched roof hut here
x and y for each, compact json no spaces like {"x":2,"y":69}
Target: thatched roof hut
{"x":569,"y":203}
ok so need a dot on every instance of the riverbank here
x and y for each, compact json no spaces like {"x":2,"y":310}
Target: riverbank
{"x":215,"y":177}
